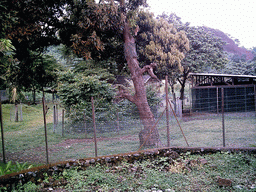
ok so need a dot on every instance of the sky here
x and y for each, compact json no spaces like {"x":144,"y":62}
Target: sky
{"x":234,"y":17}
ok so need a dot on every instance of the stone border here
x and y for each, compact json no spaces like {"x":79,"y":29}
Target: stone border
{"x":36,"y":175}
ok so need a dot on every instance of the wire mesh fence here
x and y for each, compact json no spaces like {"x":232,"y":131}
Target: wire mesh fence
{"x":74,"y":139}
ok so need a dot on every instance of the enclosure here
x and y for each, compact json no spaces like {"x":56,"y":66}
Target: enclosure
{"x":63,"y":138}
{"x":236,"y":91}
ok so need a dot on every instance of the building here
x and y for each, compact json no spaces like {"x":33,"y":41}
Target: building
{"x":238,"y":91}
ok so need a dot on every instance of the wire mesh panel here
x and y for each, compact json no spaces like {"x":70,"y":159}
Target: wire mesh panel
{"x":236,"y":99}
{"x":73,"y":138}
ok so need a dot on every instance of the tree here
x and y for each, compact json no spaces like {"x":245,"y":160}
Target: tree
{"x":205,"y":51}
{"x":76,"y":90}
{"x":35,"y":26}
{"x":160,"y":42}
{"x":165,"y":47}
{"x":91,"y":37}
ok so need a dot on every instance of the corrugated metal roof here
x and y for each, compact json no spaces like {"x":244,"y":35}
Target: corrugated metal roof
{"x":221,"y":75}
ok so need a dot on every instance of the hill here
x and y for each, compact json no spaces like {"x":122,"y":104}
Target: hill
{"x":231,"y":46}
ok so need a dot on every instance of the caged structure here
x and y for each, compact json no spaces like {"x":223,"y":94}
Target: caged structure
{"x":209,"y":91}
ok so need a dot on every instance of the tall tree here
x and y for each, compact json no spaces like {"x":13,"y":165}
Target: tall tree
{"x":91,"y":37}
{"x":36,"y":25}
{"x":205,"y":50}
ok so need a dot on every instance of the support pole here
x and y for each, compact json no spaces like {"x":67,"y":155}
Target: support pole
{"x":217,"y":95}
{"x":255,"y":98}
{"x":57,"y":114}
{"x":167,"y":111}
{"x":16,"y":113}
{"x":178,"y":123}
{"x":223,"y":118}
{"x":2,"y":130}
{"x":94,"y":127}
{"x":45,"y":131}
{"x":63,"y":118}
{"x":54,"y":118}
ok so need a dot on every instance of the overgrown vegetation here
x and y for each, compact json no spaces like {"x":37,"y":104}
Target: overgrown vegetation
{"x":214,"y":172}
{"x":12,"y":168}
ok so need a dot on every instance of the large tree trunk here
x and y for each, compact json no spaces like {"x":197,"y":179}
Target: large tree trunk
{"x":149,"y":135}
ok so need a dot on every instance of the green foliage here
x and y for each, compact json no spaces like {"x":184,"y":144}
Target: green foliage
{"x":27,"y":187}
{"x":187,"y":173}
{"x":10,"y":168}
{"x":159,"y":41}
{"x":77,"y":89}
{"x":5,"y":169}
{"x":238,"y":65}
{"x":6,"y":59}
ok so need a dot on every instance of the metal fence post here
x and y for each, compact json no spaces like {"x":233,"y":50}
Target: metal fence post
{"x":2,"y":130}
{"x":94,"y":127}
{"x":167,"y":111}
{"x":223,"y":118}
{"x":54,"y":118}
{"x":63,"y":111}
{"x":45,"y":132}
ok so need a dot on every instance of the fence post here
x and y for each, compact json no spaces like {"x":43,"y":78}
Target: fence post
{"x":223,"y":118}
{"x":16,"y":113}
{"x":63,"y":111}
{"x":255,"y":98}
{"x":54,"y":118}
{"x":94,"y":127}
{"x":167,"y":111}
{"x":57,"y":114}
{"x":45,"y":131}
{"x":2,"y":130}
{"x":217,"y":94}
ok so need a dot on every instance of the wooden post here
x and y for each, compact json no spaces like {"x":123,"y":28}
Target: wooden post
{"x":63,"y":113}
{"x":16,"y":113}
{"x":223,"y":118}
{"x":255,"y":98}
{"x":167,"y":111}
{"x":57,"y":114}
{"x":217,"y":94}
{"x":94,"y":126}
{"x":54,"y":118}
{"x":21,"y":116}
{"x":2,"y":130}
{"x":45,"y":132}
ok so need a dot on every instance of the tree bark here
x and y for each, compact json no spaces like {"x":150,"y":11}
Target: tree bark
{"x":149,"y":135}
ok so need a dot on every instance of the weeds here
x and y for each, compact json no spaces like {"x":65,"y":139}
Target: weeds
{"x":10,"y":168}
{"x":188,"y":173}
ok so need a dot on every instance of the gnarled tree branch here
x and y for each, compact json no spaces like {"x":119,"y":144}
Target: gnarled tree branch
{"x":123,"y":93}
{"x":149,"y":69}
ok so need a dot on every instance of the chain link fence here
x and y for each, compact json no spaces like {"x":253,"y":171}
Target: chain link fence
{"x":79,"y":137}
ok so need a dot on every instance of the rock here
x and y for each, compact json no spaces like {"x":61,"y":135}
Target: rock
{"x":224,"y":182}
{"x":203,"y":161}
